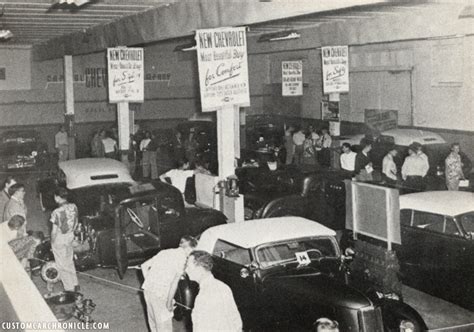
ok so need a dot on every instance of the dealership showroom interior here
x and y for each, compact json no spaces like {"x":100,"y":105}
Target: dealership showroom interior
{"x":237,"y":165}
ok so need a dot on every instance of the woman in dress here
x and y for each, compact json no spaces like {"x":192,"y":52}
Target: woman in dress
{"x":453,"y":168}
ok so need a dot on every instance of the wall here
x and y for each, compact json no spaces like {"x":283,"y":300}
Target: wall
{"x":15,"y":65}
{"x":428,"y":79}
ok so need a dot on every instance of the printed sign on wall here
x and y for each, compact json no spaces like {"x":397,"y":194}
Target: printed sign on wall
{"x":223,"y":69}
{"x":292,"y":78}
{"x":381,"y":120}
{"x":126,"y":74}
{"x":335,"y":61}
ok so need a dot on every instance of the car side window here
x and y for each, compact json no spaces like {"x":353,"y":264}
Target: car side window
{"x":405,"y":217}
{"x":435,"y":222}
{"x":231,"y":252}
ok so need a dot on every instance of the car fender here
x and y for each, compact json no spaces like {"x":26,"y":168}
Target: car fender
{"x":284,"y":206}
{"x":393,"y":311}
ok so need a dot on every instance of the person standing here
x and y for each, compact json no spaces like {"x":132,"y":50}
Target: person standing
{"x":453,"y":168}
{"x":363,"y":166}
{"x":314,"y":135}
{"x":347,"y":158}
{"x":191,"y":146}
{"x":64,"y":219}
{"x":97,"y":147}
{"x":178,"y":146}
{"x":289,"y":145}
{"x":148,"y":147}
{"x":110,"y":145}
{"x":214,"y":307}
{"x":389,"y":168}
{"x":298,"y":141}
{"x":16,"y":204}
{"x":324,"y":144}
{"x":309,"y":153}
{"x":162,"y":273}
{"x":61,"y":143}
{"x":414,"y":169}
{"x":5,"y":195}
{"x":179,"y":175}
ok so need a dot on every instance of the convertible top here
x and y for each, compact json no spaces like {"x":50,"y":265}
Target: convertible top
{"x":94,"y":171}
{"x":449,"y":203}
{"x":251,"y":233}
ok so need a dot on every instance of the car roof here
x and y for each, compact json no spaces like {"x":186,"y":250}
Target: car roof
{"x":251,"y":233}
{"x":94,"y":171}
{"x":403,"y":137}
{"x":449,"y":203}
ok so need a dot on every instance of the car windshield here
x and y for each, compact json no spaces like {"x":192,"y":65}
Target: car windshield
{"x":18,"y":149}
{"x":467,"y":222}
{"x":284,"y":252}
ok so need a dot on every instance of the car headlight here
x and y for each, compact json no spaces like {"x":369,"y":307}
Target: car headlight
{"x":407,"y":326}
{"x":34,"y":153}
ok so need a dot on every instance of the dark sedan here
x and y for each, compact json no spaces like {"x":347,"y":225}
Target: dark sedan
{"x":22,"y":150}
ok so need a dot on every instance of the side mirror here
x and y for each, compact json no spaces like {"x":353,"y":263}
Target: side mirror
{"x":244,"y":273}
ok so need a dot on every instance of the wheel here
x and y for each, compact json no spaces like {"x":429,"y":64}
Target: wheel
{"x":50,"y":273}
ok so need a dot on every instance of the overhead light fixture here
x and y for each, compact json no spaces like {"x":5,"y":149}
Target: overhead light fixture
{"x":5,"y":34}
{"x":279,"y":36}
{"x":186,"y":47}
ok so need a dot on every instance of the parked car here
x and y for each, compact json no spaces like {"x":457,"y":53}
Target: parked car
{"x":121,"y":222}
{"x":22,"y":149}
{"x":289,"y":190}
{"x":437,"y":248}
{"x":287,"y":272}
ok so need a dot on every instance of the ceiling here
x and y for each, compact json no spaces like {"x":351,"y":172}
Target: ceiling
{"x":34,"y":22}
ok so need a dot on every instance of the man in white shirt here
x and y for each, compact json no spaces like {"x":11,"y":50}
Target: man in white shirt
{"x":347,"y":158}
{"x":178,"y":176}
{"x":110,"y":145}
{"x":214,"y":308}
{"x":162,"y":273}
{"x":414,"y":169}
{"x":389,"y":168}
{"x":61,"y":143}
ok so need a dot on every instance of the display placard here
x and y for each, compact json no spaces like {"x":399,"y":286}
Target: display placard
{"x":381,"y":120}
{"x":335,"y":61}
{"x":292,"y":78}
{"x":223,"y":68}
{"x":125,"y":74}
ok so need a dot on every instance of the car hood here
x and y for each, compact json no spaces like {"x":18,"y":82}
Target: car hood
{"x":316,"y":288}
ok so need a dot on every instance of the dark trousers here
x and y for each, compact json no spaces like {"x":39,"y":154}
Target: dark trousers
{"x":414,"y":184}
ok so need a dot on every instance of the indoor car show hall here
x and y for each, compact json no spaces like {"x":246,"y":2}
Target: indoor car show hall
{"x":248,"y":165}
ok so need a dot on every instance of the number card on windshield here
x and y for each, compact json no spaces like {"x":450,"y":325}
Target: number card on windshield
{"x":335,"y":69}
{"x":125,"y":72}
{"x":302,"y":258}
{"x":223,"y":69}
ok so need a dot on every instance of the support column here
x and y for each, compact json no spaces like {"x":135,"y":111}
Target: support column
{"x":123,"y":119}
{"x":228,"y":148}
{"x":69,"y":102}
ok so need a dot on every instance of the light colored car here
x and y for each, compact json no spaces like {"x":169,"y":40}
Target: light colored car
{"x":287,"y":272}
{"x":438,"y":244}
{"x":402,"y":137}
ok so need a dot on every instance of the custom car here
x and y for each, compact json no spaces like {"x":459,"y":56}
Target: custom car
{"x":121,"y":222}
{"x":437,"y":233}
{"x":287,"y":272}
{"x":22,"y":150}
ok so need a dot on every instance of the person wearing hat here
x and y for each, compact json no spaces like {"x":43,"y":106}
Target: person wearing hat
{"x":415,"y":168}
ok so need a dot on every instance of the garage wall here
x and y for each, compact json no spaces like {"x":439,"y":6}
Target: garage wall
{"x":15,"y":68}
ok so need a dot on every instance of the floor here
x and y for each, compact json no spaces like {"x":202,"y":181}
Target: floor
{"x":120,"y":302}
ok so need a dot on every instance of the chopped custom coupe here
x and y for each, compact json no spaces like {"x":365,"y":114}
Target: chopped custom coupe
{"x":437,"y":248}
{"x":121,"y":222}
{"x":22,"y":150}
{"x":287,"y":272}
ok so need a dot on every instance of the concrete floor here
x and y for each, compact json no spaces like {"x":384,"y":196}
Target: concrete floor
{"x":120,"y":302}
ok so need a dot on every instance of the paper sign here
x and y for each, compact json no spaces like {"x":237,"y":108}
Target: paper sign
{"x":381,"y":120}
{"x":335,"y":61}
{"x":330,"y":110}
{"x":302,"y":258}
{"x":125,"y":74}
{"x":223,"y":68}
{"x":292,"y":78}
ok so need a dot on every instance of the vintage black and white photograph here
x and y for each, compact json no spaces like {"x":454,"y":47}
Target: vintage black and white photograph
{"x":237,"y":165}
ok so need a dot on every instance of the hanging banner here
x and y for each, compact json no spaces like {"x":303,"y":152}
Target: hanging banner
{"x":292,"y":78}
{"x":223,"y":69}
{"x":125,"y":74}
{"x":335,"y":61}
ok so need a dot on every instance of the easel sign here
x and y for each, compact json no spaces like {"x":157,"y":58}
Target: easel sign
{"x":125,"y":74}
{"x":223,"y":68}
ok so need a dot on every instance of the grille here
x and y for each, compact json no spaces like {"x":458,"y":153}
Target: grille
{"x":370,"y":319}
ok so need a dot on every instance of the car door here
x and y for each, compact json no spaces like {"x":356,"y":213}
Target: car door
{"x":233,"y":267}
{"x":433,"y":251}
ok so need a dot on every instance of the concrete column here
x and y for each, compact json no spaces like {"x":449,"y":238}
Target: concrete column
{"x":123,"y":118}
{"x":69,"y":102}
{"x":228,"y":148}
